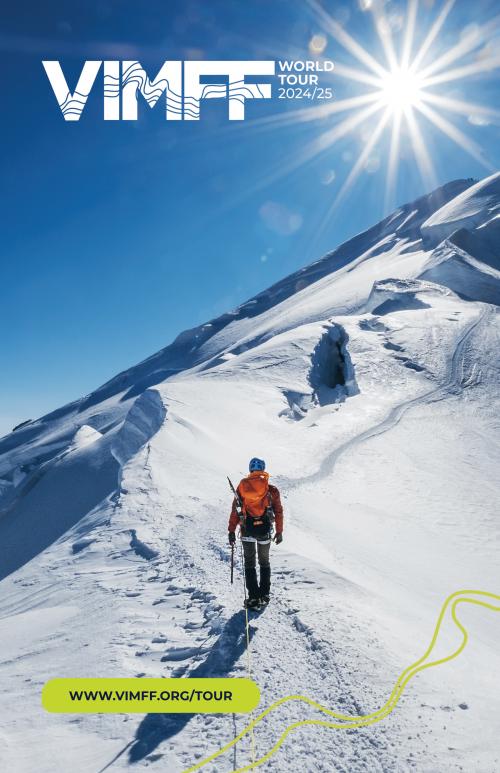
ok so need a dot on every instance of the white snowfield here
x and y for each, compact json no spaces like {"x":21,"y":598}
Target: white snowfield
{"x":369,"y":383}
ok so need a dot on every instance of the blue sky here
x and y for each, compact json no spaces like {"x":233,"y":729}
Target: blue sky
{"x":118,"y":235}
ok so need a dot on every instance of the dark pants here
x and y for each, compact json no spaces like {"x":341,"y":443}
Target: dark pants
{"x":250,"y":549}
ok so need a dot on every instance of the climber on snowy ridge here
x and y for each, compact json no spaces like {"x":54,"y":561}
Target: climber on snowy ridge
{"x":256,"y":508}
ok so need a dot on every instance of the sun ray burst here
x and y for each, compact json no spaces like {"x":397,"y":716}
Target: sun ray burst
{"x":461,"y":106}
{"x":311,"y":114}
{"x":315,"y":148}
{"x":432,"y":35}
{"x":403,"y":91}
{"x":471,"y":41}
{"x":422,"y":155}
{"x":363,"y":158}
{"x":384,"y":33}
{"x":356,"y":75}
{"x":402,"y":87}
{"x":474,"y":68}
{"x":392,"y":168}
{"x":455,"y":134}
{"x":337,"y":32}
{"x":409,"y":35}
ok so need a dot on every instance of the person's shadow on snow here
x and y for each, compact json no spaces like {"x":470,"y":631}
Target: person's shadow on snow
{"x":156,"y":728}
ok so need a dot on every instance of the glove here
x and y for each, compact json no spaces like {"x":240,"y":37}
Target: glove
{"x":278,"y":537}
{"x":232,"y":537}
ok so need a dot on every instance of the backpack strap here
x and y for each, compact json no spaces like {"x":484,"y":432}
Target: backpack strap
{"x":269,"y":508}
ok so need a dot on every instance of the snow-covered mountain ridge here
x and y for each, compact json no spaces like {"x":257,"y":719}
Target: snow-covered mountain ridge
{"x":198,"y":344}
{"x":369,"y":382}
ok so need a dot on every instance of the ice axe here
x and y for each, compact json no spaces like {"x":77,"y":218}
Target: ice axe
{"x":240,"y":515}
{"x":239,"y":503}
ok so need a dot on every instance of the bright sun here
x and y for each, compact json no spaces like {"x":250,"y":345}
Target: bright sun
{"x":400,"y":90}
{"x":405,"y":92}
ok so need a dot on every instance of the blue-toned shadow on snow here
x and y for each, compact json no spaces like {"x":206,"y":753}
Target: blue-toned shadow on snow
{"x":156,"y":728}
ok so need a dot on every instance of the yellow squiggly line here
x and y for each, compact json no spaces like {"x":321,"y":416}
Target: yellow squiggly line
{"x":350,"y":722}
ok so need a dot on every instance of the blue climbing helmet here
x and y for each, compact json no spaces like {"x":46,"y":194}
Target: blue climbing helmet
{"x":256,"y":464}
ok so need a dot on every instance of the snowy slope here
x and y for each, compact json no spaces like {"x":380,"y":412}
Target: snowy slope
{"x":475,"y":208}
{"x":369,"y":382}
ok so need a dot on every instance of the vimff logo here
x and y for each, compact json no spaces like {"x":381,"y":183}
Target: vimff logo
{"x":185,"y":85}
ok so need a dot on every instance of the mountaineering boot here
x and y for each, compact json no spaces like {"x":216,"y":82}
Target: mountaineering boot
{"x":252,"y":603}
{"x":265,"y":581}
{"x":264,"y":600}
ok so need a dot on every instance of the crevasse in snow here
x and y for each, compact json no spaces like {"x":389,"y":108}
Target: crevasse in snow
{"x":113,"y":512}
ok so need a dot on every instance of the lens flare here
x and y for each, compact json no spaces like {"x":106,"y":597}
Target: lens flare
{"x":403,"y":89}
{"x":403,"y":94}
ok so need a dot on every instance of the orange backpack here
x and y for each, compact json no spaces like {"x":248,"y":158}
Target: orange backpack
{"x":254,"y":494}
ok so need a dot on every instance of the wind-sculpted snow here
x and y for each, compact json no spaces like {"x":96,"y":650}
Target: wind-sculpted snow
{"x":467,"y":276}
{"x":470,"y":209}
{"x":390,"y":295}
{"x":53,"y":496}
{"x":84,"y":436}
{"x":114,"y":516}
{"x":143,"y":420}
{"x":332,"y":373}
{"x":388,"y":242}
{"x":51,"y":499}
{"x":209,"y":340}
{"x":481,"y":243}
{"x":331,"y":376}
